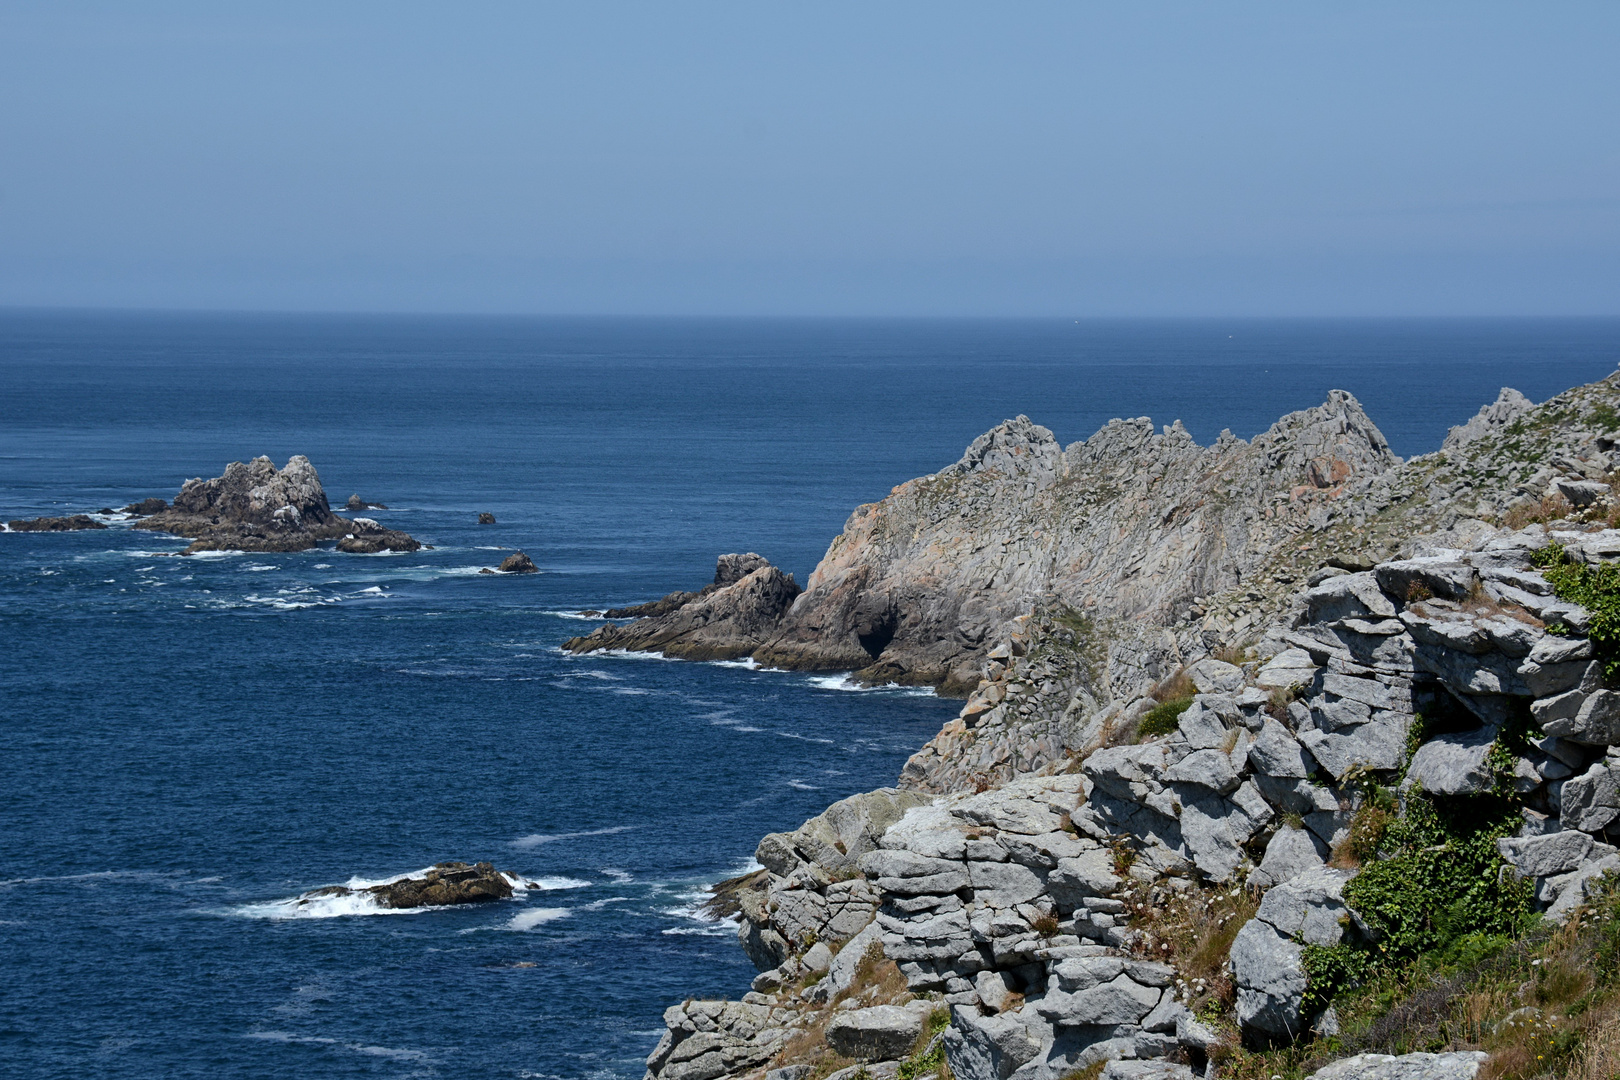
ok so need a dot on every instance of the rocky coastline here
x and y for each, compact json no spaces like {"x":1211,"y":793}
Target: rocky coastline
{"x":1246,"y":725}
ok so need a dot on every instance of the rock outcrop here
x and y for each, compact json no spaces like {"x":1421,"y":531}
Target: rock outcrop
{"x":441,"y":885}
{"x":1387,"y":633}
{"x":1016,"y":906}
{"x":357,"y":504}
{"x":71,"y":523}
{"x":146,"y":507}
{"x":518,"y":563}
{"x":486,"y":518}
{"x":254,"y":506}
{"x":727,"y":619}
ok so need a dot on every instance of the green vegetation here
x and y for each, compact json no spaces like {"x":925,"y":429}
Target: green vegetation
{"x":1545,"y":1006}
{"x":929,"y":1057}
{"x":1162,"y":719}
{"x":1595,"y":588}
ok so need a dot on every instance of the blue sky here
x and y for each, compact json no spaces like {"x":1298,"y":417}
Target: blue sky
{"x":825,"y":159}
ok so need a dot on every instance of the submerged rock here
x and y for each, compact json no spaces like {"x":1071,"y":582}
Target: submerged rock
{"x":253,"y":506}
{"x":73,"y":523}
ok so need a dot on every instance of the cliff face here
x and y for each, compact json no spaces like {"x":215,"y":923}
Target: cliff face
{"x":1132,"y":525}
{"x":1064,"y":885}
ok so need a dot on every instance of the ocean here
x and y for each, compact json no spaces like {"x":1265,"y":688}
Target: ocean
{"x":190,"y":743}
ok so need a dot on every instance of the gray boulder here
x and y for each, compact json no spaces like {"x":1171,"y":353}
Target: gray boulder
{"x":1591,"y":801}
{"x":1290,"y":853}
{"x":993,"y":1047}
{"x":1454,"y":764}
{"x":1457,"y":1065}
{"x":879,"y":1033}
{"x":1547,"y":855}
{"x":1270,"y":981}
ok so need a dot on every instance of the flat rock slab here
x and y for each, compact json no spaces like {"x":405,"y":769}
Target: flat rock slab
{"x":1459,"y":1065}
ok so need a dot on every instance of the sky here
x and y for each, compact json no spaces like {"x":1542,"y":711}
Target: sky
{"x":765,"y":158}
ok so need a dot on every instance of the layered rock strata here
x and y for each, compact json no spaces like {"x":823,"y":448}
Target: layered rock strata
{"x":254,"y":506}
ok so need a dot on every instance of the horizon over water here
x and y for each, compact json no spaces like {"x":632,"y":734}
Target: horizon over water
{"x":193,"y":742}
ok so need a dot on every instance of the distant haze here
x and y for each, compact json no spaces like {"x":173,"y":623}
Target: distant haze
{"x":817,"y":159}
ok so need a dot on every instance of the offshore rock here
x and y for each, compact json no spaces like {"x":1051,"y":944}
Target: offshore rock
{"x":486,"y":518}
{"x":443,"y":885}
{"x":254,"y":506}
{"x":518,"y":563}
{"x":146,"y":507}
{"x":366,"y":537}
{"x":727,"y":619}
{"x":356,"y":504}
{"x":72,"y":523}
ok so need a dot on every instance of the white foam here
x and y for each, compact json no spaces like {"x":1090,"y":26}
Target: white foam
{"x":698,"y":931}
{"x":528,"y":920}
{"x":580,"y":615}
{"x":257,"y":568}
{"x":554,"y":884}
{"x":633,"y":654}
{"x":320,"y":907}
{"x":323,"y":566}
{"x":800,"y":785}
{"x":375,"y":590}
{"x":534,"y":840}
{"x":748,"y":663}
{"x":619,"y":877}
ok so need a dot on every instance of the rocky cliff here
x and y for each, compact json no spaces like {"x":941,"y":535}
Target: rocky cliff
{"x":254,"y":506}
{"x":1130,"y":855}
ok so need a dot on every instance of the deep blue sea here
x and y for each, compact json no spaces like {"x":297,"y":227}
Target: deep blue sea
{"x":188,"y":743}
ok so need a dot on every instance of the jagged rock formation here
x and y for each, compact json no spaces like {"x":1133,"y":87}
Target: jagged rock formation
{"x":1131,"y":525}
{"x":72,"y":523}
{"x":146,"y":507}
{"x":357,"y":504}
{"x":727,"y":619}
{"x":254,"y":506}
{"x":442,"y":885}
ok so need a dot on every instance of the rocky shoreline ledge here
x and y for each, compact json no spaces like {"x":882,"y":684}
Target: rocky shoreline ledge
{"x":1278,"y":757}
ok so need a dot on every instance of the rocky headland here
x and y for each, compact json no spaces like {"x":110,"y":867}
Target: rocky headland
{"x":254,"y":506}
{"x":1278,"y":757}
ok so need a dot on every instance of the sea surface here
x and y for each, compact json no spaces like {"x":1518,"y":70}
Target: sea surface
{"x":190,"y":743}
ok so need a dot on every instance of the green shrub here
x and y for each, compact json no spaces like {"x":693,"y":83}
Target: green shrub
{"x":1595,"y":588}
{"x":1440,"y":879}
{"x":1162,"y":719}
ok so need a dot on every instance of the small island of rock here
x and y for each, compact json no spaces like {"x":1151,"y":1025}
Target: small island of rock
{"x":443,"y":885}
{"x":256,"y":507}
